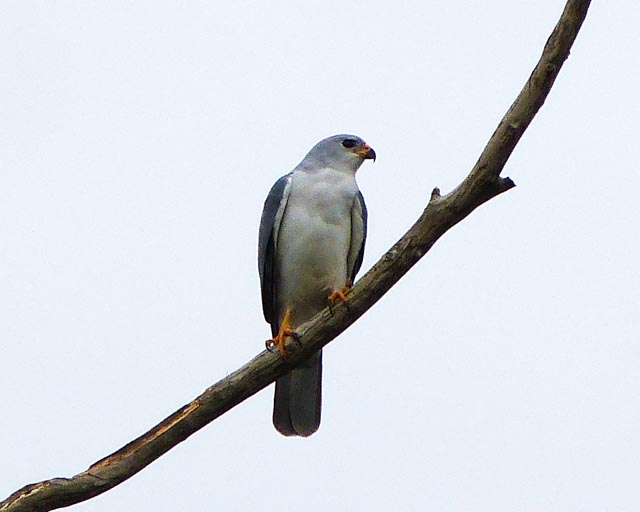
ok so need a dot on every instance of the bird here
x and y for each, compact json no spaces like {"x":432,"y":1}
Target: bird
{"x":311,"y":242}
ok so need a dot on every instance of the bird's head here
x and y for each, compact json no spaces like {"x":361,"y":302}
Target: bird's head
{"x":343,"y":151}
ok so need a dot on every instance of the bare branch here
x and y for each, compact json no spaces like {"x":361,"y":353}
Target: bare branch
{"x":442,"y":212}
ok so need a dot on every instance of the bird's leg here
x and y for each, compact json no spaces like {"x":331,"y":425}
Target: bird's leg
{"x":284,"y":331}
{"x":340,"y":294}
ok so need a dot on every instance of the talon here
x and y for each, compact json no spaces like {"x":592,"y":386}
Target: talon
{"x":337,"y":295}
{"x":340,"y":294}
{"x":279,"y":340}
{"x":296,"y":337}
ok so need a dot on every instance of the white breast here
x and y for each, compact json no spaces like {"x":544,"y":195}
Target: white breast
{"x":313,"y":241}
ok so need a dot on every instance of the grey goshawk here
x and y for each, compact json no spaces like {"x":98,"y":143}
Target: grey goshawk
{"x":311,"y":243}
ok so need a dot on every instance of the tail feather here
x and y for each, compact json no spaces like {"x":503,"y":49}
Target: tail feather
{"x":298,"y":399}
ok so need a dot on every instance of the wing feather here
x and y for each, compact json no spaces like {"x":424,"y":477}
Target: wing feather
{"x":358,"y":236}
{"x":274,"y":207}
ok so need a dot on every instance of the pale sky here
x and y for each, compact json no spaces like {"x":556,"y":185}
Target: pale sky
{"x":139,"y":141}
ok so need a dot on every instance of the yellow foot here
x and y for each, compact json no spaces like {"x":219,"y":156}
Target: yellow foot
{"x":340,"y":294}
{"x":279,"y":340}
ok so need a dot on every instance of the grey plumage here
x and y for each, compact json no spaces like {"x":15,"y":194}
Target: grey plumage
{"x":311,"y":243}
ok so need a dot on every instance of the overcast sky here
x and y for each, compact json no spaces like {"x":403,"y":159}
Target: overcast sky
{"x":138,"y":142}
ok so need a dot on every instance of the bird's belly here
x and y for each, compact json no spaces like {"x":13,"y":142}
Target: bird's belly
{"x":313,"y":263}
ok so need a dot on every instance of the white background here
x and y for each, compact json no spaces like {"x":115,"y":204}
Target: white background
{"x":137,"y":144}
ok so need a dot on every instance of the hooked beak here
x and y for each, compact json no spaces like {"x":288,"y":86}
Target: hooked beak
{"x":367,"y":153}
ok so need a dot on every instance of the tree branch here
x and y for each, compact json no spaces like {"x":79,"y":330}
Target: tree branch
{"x":442,"y":212}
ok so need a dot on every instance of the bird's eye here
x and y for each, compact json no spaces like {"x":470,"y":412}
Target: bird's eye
{"x":349,"y":143}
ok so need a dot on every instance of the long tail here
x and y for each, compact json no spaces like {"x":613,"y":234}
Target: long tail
{"x":298,"y":399}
